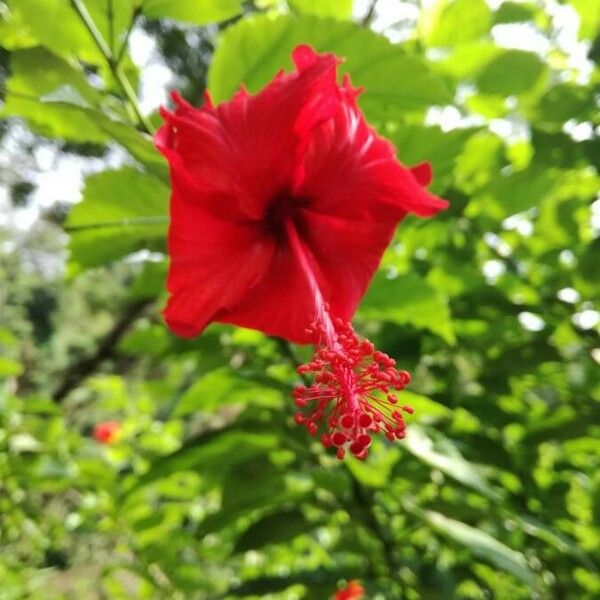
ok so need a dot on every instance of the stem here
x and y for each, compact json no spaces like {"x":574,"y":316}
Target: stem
{"x":366,"y":21}
{"x":149,"y":220}
{"x":112,"y":62}
{"x":111,"y":25}
{"x":121,"y":53}
{"x":365,"y":500}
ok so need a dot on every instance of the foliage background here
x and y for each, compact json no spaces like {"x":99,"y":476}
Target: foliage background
{"x":211,"y":491}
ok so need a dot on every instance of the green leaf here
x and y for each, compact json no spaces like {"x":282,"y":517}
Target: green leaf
{"x":426,"y":410}
{"x":10,"y":367}
{"x":38,"y":74}
{"x":14,"y":32}
{"x":225,"y":387}
{"x":57,"y":26}
{"x":138,"y":144}
{"x":199,"y":12}
{"x":121,"y":212}
{"x":454,"y":22}
{"x":482,"y":544}
{"x":55,"y":98}
{"x":447,"y":459}
{"x":416,"y":144}
{"x":253,"y":50}
{"x":340,"y":9}
{"x":512,"y":72}
{"x":376,"y":470}
{"x":408,"y":299}
{"x":589,"y":18}
{"x":276,"y":528}
{"x":513,"y":193}
{"x":217,"y":455}
{"x":515,"y":12}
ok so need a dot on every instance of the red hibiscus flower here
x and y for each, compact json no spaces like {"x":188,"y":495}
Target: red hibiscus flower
{"x":107,"y":432}
{"x":282,"y":205}
{"x":353,"y":591}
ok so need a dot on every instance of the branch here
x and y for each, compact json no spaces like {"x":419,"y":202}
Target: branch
{"x":78,"y":371}
{"x":113,"y":64}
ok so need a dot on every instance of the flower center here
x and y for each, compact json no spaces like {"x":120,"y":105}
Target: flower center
{"x":351,"y":397}
{"x":284,"y":206}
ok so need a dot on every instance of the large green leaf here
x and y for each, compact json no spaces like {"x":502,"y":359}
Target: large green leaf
{"x":214,"y":456}
{"x":253,"y":50}
{"x":222,"y":387}
{"x":408,"y":299}
{"x":56,"y":99}
{"x":416,"y":144}
{"x":454,"y":22}
{"x":589,"y":17}
{"x":341,"y":9}
{"x":56,"y":25}
{"x":121,"y":212}
{"x":199,"y":12}
{"x":376,"y":470}
{"x":447,"y":459}
{"x":36,"y":73}
{"x":276,"y":528}
{"x":482,"y":544}
{"x":512,"y":72}
{"x":513,"y":193}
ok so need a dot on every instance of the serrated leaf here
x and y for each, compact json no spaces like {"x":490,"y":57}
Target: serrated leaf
{"x":192,"y":11}
{"x":339,"y":9}
{"x":222,"y":387}
{"x":416,"y":144}
{"x":408,"y":300}
{"x":276,"y":528}
{"x":56,"y":25}
{"x":513,"y":72}
{"x":122,"y":211}
{"x":454,"y":22}
{"x":37,"y":74}
{"x":253,"y":50}
{"x":216,"y":455}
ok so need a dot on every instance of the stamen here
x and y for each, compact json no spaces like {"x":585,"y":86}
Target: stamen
{"x":351,"y":397}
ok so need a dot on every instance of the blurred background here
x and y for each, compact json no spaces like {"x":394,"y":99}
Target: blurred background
{"x":137,"y":465}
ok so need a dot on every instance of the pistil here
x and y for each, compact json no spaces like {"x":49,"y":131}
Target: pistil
{"x":352,"y":394}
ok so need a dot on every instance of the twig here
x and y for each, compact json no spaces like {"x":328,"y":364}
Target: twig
{"x":78,"y":371}
{"x":123,"y":82}
{"x":121,"y":53}
{"x":366,"y":21}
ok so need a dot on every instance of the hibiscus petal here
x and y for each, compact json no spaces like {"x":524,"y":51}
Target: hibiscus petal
{"x":347,"y":254}
{"x":280,"y":304}
{"x":343,"y":256}
{"x":351,"y":172}
{"x":423,"y":173}
{"x":235,"y":158}
{"x":214,"y":265}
